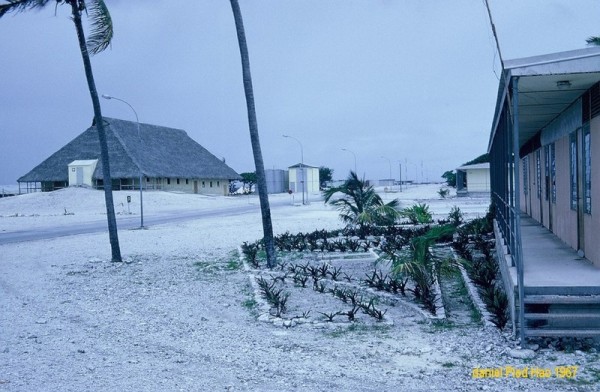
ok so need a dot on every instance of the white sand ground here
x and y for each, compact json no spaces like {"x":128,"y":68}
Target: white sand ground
{"x":175,"y":317}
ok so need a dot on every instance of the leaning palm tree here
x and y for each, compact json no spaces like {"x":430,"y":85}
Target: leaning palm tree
{"x":360,"y":205}
{"x":261,"y":180}
{"x":593,"y":41}
{"x":99,"y":39}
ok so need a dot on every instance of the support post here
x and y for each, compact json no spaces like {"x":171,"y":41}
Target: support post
{"x":518,"y":248}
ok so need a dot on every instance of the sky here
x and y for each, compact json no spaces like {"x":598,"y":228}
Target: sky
{"x":394,"y":82}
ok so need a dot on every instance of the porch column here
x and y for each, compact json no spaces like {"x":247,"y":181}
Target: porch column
{"x":518,"y":248}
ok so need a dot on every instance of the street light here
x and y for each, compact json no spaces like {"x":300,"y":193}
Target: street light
{"x":390,"y":162}
{"x":351,"y":152}
{"x":139,"y":155}
{"x":400,"y":173}
{"x":302,"y":171}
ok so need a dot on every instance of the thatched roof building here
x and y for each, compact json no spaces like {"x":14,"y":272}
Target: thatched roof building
{"x":168,"y":159}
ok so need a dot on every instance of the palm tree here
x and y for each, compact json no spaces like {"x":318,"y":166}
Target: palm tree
{"x":593,"y":41}
{"x":99,"y":39}
{"x":360,"y":205}
{"x":261,"y":181}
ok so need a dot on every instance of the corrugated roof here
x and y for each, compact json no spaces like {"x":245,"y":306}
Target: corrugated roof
{"x":548,"y":85}
{"x":162,"y":152}
{"x":299,"y":165}
{"x":476,"y":166}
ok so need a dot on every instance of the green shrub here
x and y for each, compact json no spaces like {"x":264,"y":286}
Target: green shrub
{"x":417,"y":214}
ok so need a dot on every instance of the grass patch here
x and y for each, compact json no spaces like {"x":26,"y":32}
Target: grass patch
{"x":249,"y":304}
{"x":441,"y":325}
{"x":359,"y":329}
{"x":233,"y":264}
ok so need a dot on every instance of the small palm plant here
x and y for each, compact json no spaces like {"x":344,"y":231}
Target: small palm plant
{"x":418,"y":264}
{"x":360,"y":205}
{"x":417,"y":214}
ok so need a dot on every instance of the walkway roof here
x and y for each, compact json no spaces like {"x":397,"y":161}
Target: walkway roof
{"x":548,"y":85}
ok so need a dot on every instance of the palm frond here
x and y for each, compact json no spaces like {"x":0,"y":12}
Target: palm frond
{"x":101,"y":26}
{"x":21,"y":5}
{"x":593,"y":41}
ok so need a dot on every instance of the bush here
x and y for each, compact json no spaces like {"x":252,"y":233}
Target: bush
{"x":443,"y":192}
{"x":417,"y":214}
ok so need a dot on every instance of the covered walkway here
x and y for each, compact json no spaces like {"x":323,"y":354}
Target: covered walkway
{"x":551,"y":266}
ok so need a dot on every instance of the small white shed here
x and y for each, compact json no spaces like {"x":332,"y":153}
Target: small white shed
{"x":304,"y":177}
{"x":81,"y":171}
{"x":473,"y":179}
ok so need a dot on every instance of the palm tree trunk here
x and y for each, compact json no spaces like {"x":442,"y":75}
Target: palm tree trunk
{"x":261,"y":181}
{"x":108,"y":196}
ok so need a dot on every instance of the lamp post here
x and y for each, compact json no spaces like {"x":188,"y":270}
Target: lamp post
{"x":352,"y":152}
{"x":390,"y":163}
{"x":302,"y":171}
{"x":400,"y":173}
{"x":137,"y":120}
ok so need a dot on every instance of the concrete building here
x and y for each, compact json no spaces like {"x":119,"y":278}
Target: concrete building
{"x":544,"y":141}
{"x":304,"y":177}
{"x":277,"y":180}
{"x":473,"y":180}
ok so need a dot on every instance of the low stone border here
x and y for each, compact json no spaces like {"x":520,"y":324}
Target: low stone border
{"x":474,"y":295}
{"x":390,"y":299}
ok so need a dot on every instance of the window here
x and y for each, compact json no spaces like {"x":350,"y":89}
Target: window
{"x":553,"y":171}
{"x":187,"y":181}
{"x":587,"y":170}
{"x":525,"y":162}
{"x":211,"y":184}
{"x":218,"y":184}
{"x":178,"y":181}
{"x":168,"y":181}
{"x":573,"y":168}
{"x":203,"y":184}
{"x":547,"y":171}
{"x":538,"y":173}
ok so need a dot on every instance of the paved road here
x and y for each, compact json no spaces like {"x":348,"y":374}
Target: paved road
{"x":129,"y":222}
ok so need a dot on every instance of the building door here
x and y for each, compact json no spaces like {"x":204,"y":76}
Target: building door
{"x":578,"y":183}
{"x":195,"y":186}
{"x":548,"y":182}
{"x":79,"y":173}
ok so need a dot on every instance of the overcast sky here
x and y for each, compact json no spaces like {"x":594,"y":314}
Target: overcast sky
{"x":409,"y":80}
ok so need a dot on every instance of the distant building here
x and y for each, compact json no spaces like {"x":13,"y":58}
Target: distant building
{"x":277,"y":180}
{"x":473,"y":180}
{"x":168,"y":159}
{"x":304,"y":177}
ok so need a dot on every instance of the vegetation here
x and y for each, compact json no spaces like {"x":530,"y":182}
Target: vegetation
{"x":414,"y":267}
{"x":593,"y":41}
{"x":360,"y":206}
{"x":455,"y":217}
{"x":443,"y":192}
{"x":450,"y":178}
{"x":325,"y":175}
{"x":417,"y":214}
{"x":419,"y":265}
{"x":254,"y":139}
{"x":474,"y":244}
{"x":99,"y":39}
{"x":483,"y":158}
{"x":248,"y":181}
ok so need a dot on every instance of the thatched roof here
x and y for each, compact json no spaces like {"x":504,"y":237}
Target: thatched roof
{"x":165,"y":152}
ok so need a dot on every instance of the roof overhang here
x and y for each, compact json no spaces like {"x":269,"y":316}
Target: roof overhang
{"x":547,"y":86}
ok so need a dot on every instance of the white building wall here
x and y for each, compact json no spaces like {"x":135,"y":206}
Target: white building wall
{"x":478,"y":180}
{"x":87,"y":167}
